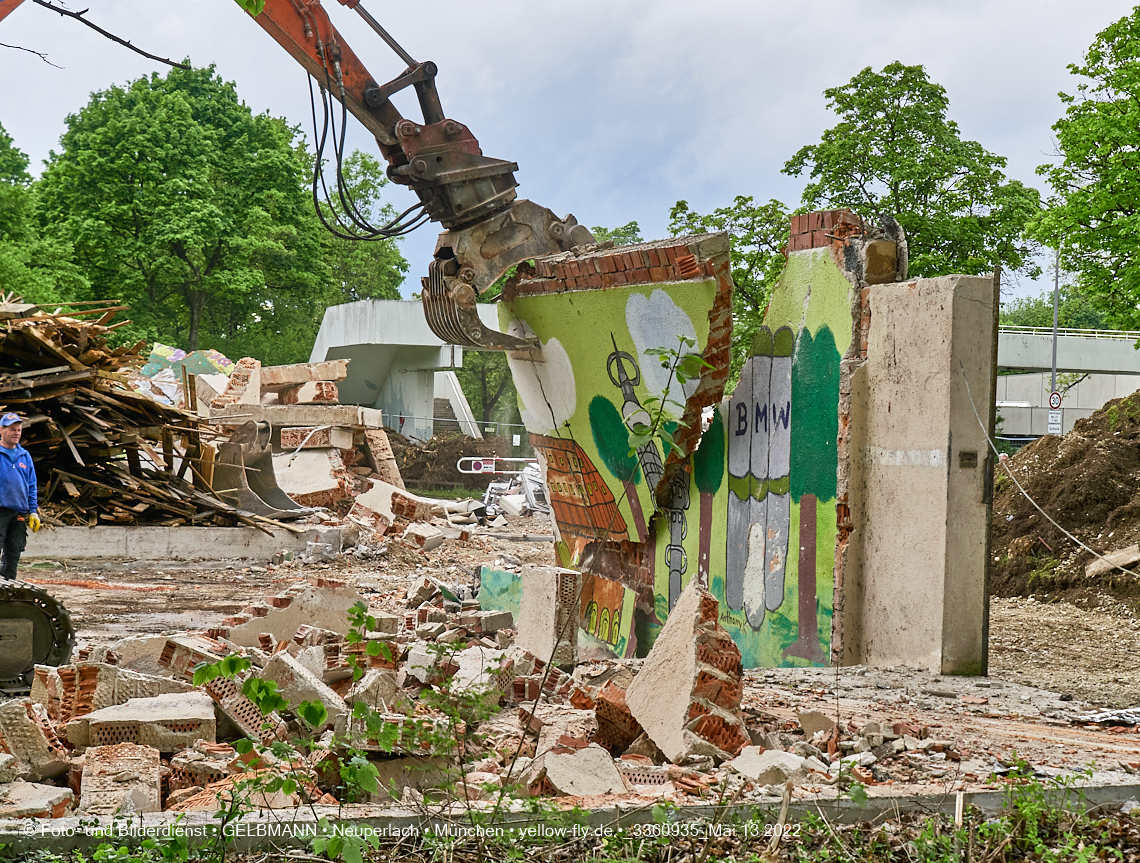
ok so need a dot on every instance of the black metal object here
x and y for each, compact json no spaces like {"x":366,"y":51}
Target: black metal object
{"x":35,"y":629}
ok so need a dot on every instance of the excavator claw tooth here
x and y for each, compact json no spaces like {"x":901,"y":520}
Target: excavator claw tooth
{"x":469,"y":260}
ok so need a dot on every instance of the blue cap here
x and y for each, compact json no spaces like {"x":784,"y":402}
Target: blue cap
{"x":10,"y":419}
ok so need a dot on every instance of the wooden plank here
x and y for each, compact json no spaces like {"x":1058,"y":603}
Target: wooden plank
{"x":49,"y":346}
{"x":71,"y":446}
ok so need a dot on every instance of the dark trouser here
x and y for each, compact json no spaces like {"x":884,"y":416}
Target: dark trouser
{"x":14,"y":533}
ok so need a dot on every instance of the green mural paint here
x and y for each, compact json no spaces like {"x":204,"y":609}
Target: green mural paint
{"x":708,"y":473}
{"x":611,"y":437}
{"x":815,"y":430}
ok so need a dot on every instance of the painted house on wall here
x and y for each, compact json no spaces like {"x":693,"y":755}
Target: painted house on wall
{"x":756,"y":497}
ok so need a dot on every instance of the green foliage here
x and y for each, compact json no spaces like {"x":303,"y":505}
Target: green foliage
{"x":895,"y":154}
{"x":486,"y":381}
{"x":1076,"y":309}
{"x":683,"y":366}
{"x":38,"y":267}
{"x":625,"y":235}
{"x":1093,"y":214}
{"x":360,"y":270}
{"x":253,"y":7}
{"x":759,"y":234}
{"x":182,"y":202}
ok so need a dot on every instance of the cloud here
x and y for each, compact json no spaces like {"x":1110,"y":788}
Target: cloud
{"x":613,"y":110}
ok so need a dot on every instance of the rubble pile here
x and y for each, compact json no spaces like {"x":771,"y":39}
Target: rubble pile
{"x":1088,"y":482}
{"x":433,"y":464}
{"x":99,"y":737}
{"x":108,"y":454}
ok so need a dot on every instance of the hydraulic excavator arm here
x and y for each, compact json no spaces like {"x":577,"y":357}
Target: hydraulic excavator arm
{"x":487,"y":229}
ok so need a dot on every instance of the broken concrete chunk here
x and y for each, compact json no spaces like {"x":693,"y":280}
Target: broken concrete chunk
{"x":380,"y":691}
{"x":814,"y":721}
{"x":325,"y":607}
{"x":316,"y":437}
{"x":687,"y":694}
{"x":296,"y":684}
{"x":558,"y":723}
{"x":168,"y":723}
{"x":1124,"y":557}
{"x":123,"y":777}
{"x":424,"y":536}
{"x":279,"y":377}
{"x":767,"y":768}
{"x":29,"y":800}
{"x":580,"y":773}
{"x":28,"y":736}
{"x":315,"y":477}
{"x":310,"y":393}
{"x":548,"y":613}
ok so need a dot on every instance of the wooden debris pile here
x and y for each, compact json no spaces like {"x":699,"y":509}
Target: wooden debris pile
{"x":107,"y":454}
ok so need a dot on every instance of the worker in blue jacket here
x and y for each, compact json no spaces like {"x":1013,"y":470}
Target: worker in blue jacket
{"x":19,"y":508}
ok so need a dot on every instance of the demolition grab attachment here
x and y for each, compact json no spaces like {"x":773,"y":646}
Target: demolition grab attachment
{"x":487,"y":230}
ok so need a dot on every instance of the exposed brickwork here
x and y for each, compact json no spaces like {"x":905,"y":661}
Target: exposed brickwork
{"x":312,"y":392}
{"x":676,"y":260}
{"x":820,"y":230}
{"x":244,"y":371}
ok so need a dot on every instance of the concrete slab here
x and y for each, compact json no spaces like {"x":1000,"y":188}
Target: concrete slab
{"x":107,"y":542}
{"x":324,"y":606}
{"x":687,"y":694}
{"x":299,"y":415}
{"x":29,"y":800}
{"x":121,"y":778}
{"x":584,"y":772}
{"x":168,"y":723}
{"x":296,"y":684}
{"x":279,"y":377}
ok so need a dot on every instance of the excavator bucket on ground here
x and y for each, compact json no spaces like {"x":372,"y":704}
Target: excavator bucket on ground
{"x":244,"y":476}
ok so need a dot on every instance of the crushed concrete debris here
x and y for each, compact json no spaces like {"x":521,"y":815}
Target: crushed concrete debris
{"x":687,"y":695}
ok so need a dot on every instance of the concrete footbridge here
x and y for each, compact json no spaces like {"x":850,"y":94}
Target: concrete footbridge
{"x":1084,"y":351}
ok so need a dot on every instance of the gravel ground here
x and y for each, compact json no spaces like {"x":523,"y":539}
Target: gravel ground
{"x":1087,"y":650}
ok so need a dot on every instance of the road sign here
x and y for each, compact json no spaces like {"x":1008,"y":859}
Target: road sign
{"x":1054,"y":419}
{"x":1055,"y":401}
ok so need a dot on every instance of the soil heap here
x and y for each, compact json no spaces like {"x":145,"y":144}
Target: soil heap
{"x":1089,"y":482}
{"x":432,"y":465}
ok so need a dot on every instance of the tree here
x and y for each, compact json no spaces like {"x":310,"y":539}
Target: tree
{"x":1075,"y":309}
{"x":759,"y":234}
{"x":362,"y":270}
{"x":485,"y":378}
{"x":185,"y":204}
{"x":36,"y":267}
{"x":1092,"y":215}
{"x":627,"y":234}
{"x":895,"y":154}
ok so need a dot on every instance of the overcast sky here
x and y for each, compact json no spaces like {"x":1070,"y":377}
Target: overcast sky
{"x":613,"y":109}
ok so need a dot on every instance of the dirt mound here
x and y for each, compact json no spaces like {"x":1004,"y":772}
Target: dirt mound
{"x":432,"y":465}
{"x":1089,"y":482}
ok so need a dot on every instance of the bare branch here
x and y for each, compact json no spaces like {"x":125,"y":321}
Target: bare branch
{"x":39,"y":54}
{"x":78,"y":16}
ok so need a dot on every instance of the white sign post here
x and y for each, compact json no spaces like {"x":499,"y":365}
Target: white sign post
{"x":1055,"y":422}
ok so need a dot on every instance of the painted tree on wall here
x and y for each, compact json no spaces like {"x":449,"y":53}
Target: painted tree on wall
{"x":708,"y":472}
{"x":815,"y":430}
{"x":611,"y":436}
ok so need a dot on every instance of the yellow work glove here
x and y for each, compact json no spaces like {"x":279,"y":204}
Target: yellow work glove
{"x":34,"y":522}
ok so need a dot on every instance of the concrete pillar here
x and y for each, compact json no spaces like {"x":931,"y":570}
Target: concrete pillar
{"x":916,"y":570}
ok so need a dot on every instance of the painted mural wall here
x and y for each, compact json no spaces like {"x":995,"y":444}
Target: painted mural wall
{"x":751,"y":511}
